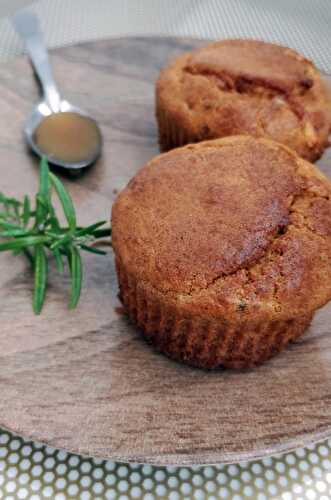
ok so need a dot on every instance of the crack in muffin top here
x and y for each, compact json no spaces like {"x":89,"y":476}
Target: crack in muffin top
{"x":239,"y":62}
{"x":207,"y":211}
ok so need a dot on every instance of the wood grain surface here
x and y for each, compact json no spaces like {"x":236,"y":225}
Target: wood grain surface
{"x":85,"y":380}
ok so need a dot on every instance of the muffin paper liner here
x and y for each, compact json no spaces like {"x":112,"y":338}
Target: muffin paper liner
{"x":203,"y":342}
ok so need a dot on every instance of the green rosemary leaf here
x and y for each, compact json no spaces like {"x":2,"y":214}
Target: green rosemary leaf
{"x":92,"y":249}
{"x":53,"y":234}
{"x":26,"y":210}
{"x":75,"y":264}
{"x":8,"y":225}
{"x":53,"y":221}
{"x":44,"y":180}
{"x":66,"y":202}
{"x":102,"y":233}
{"x":58,"y":260}
{"x":23,"y":242}
{"x":61,"y":241}
{"x":41,"y":211}
{"x":90,"y":229}
{"x":11,"y":202}
{"x":12,"y":233}
{"x":40,"y":278}
{"x":42,"y":198}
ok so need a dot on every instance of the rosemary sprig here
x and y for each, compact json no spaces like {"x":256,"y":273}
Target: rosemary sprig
{"x":37,"y":233}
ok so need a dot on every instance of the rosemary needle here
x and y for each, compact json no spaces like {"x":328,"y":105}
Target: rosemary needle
{"x":36,"y":232}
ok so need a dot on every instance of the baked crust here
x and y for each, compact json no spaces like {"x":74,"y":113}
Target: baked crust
{"x":244,"y":87}
{"x":223,"y":250}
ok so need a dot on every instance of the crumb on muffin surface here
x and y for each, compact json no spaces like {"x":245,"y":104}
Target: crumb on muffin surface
{"x":233,"y":235}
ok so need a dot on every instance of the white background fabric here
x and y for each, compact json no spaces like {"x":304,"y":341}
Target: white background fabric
{"x":301,"y":24}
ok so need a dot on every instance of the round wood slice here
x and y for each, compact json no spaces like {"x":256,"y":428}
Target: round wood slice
{"x":85,"y":380}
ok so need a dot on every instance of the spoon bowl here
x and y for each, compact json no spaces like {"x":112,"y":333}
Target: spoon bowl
{"x":37,"y":117}
{"x":78,"y":150}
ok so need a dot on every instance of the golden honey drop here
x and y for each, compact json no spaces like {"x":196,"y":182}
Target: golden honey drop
{"x":68,"y":137}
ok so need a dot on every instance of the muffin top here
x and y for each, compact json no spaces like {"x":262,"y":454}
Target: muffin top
{"x":249,"y":62}
{"x":228,"y":222}
{"x":247,"y":86}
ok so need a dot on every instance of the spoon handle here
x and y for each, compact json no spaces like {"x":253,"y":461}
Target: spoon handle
{"x":27,"y":26}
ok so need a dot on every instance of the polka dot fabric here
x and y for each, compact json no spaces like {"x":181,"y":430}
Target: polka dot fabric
{"x":34,"y":471}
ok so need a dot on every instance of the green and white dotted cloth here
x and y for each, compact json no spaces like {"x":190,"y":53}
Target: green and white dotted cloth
{"x":33,"y":471}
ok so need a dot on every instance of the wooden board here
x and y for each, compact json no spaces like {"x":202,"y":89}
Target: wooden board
{"x":85,"y":380}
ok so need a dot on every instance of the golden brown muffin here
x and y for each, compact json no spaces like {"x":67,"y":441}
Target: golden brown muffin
{"x":223,"y":250}
{"x":244,"y":87}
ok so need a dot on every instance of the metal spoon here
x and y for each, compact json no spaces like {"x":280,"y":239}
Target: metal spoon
{"x":27,"y":26}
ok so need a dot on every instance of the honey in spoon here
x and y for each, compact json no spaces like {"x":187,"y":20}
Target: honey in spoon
{"x":68,"y":137}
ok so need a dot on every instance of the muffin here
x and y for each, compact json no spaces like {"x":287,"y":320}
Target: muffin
{"x":223,"y":250}
{"x":244,"y":87}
